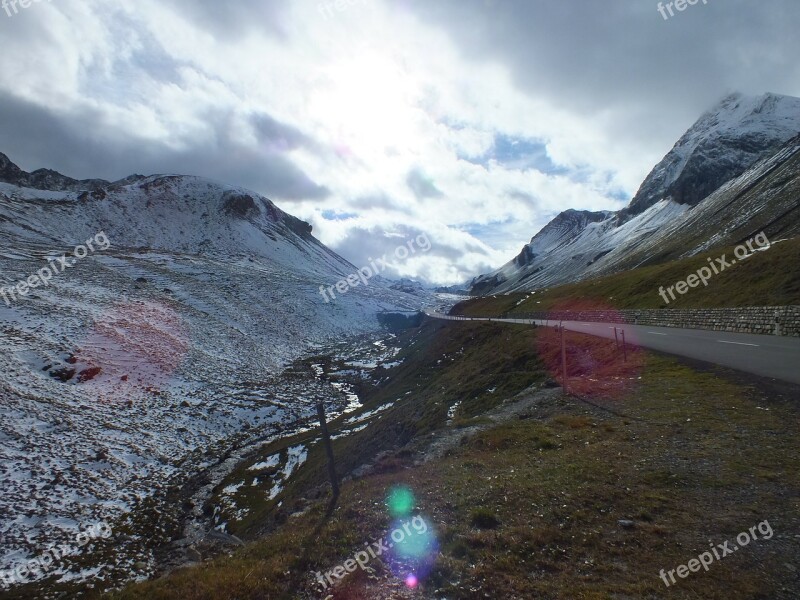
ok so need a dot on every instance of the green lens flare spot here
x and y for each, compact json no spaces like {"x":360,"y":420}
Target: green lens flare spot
{"x":401,"y":502}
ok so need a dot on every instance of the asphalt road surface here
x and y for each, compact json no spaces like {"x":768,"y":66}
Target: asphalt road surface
{"x":766,"y":355}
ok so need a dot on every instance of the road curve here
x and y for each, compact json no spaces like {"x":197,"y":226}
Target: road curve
{"x":766,"y":355}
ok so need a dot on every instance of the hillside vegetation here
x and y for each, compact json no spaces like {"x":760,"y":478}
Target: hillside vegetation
{"x":533,"y":494}
{"x":767,"y":278}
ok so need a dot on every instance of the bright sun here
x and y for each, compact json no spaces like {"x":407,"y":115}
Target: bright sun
{"x":370,"y":104}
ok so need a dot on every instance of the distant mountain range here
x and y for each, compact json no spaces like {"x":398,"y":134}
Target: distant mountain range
{"x":734,"y":173}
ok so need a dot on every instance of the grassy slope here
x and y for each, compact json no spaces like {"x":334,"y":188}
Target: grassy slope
{"x":436,"y":372}
{"x":769,"y":278}
{"x":696,"y":457}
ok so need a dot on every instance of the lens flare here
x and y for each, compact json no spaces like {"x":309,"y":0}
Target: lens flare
{"x":132,"y":351}
{"x":412,"y":581}
{"x":601,"y":368}
{"x":413,"y":548}
{"x":400,"y":502}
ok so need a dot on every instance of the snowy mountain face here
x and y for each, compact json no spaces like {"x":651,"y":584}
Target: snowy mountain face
{"x":722,"y":145}
{"x":409,"y":286}
{"x":561,"y":232}
{"x":763,"y":199}
{"x":172,"y":305}
{"x":732,"y":175}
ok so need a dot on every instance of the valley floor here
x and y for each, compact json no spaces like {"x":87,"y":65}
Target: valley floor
{"x":531,"y":493}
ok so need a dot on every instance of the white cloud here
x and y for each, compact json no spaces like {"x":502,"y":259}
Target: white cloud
{"x":379,"y":112}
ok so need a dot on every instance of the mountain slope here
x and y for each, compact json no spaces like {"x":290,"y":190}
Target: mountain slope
{"x":732,"y":175}
{"x":721,"y":145}
{"x":173,"y":213}
{"x":560,"y":233}
{"x":153,"y":357}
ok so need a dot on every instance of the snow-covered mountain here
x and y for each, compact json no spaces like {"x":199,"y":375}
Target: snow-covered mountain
{"x":731,"y":175}
{"x":178,"y":214}
{"x":721,"y":145}
{"x":156,"y":353}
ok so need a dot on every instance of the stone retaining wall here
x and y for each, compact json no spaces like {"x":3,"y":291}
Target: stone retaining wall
{"x":769,"y":320}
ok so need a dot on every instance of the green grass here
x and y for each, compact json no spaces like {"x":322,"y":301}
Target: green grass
{"x":437,"y":371}
{"x":529,"y":508}
{"x":769,"y":278}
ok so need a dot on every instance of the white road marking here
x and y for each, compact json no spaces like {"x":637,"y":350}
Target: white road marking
{"x":651,"y":333}
{"x":739,"y":343}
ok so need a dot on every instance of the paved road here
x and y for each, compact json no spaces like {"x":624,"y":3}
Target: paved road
{"x":766,"y":355}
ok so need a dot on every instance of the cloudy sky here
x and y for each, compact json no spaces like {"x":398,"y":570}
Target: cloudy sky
{"x":473,"y":121}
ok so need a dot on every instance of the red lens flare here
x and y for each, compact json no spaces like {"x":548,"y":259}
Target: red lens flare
{"x":132,"y":351}
{"x":599,"y":367}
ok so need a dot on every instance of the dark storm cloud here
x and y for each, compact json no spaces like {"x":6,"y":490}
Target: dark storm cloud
{"x":73,"y":144}
{"x":279,"y":136}
{"x":591,"y":56}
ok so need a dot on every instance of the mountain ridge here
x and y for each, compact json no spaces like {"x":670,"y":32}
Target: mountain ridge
{"x":45,"y":179}
{"x":719,"y":146}
{"x":139,"y":211}
{"x":729,"y":141}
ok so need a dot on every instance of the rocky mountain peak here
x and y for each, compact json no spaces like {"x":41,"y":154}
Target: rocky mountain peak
{"x":45,"y":179}
{"x":723,"y":143}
